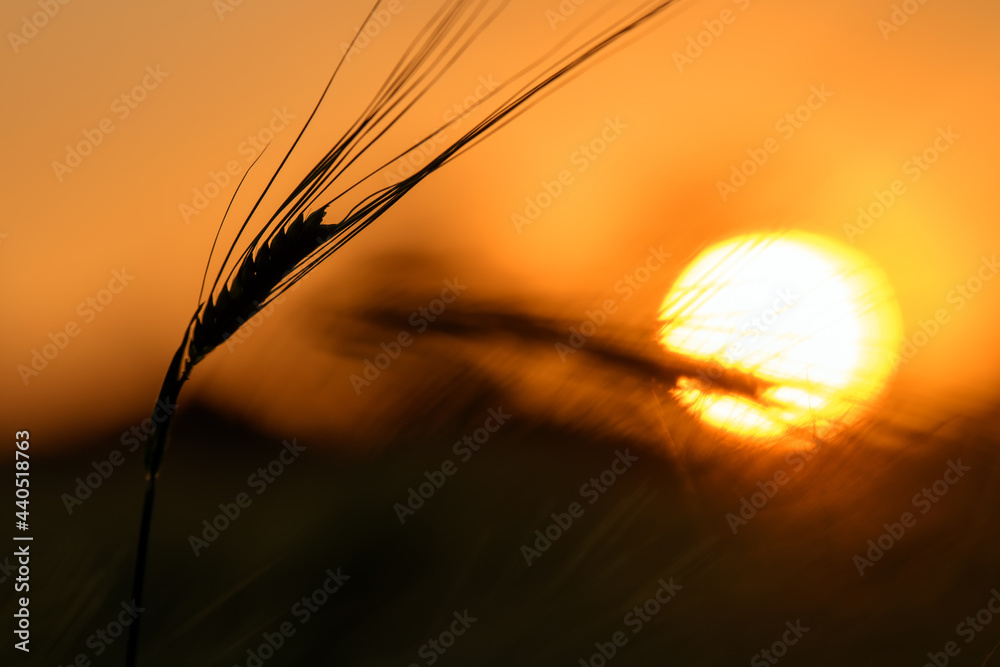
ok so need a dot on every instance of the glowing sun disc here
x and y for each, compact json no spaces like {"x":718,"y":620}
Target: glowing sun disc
{"x":816,"y":322}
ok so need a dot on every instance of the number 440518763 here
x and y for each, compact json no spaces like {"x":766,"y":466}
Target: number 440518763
{"x":21,"y":477}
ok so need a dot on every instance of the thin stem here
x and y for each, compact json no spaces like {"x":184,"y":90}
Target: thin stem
{"x":140,"y":566}
{"x":177,"y":375}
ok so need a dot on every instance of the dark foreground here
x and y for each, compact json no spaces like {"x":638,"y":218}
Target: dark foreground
{"x":645,"y":569}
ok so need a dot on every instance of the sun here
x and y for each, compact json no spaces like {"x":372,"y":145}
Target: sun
{"x":813,"y":321}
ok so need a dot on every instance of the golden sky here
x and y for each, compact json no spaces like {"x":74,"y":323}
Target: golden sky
{"x":167,"y":95}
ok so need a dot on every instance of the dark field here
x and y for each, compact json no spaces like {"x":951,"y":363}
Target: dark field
{"x":662,"y":518}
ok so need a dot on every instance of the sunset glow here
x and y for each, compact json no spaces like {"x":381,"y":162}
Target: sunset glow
{"x":814,"y":321}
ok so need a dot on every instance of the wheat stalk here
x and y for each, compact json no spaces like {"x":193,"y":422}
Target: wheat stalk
{"x":293,"y":242}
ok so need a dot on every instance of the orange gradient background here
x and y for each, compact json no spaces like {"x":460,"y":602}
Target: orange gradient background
{"x":655,"y":185}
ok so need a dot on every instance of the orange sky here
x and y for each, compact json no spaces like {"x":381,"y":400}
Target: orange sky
{"x":679,"y":127}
